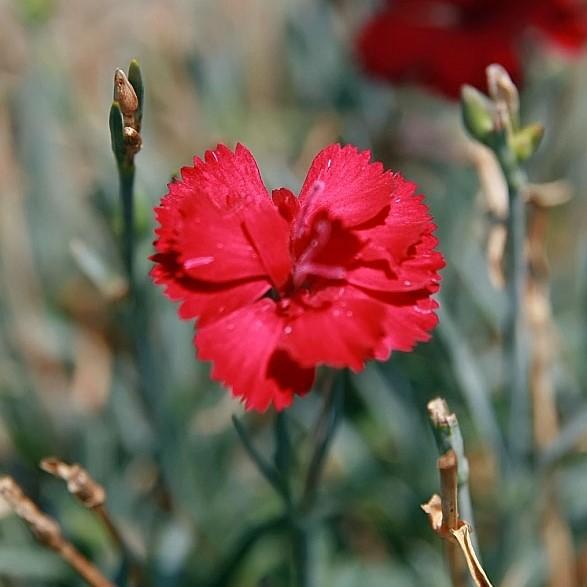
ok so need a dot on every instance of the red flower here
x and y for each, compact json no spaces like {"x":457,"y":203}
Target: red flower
{"x":443,"y":44}
{"x":280,"y":284}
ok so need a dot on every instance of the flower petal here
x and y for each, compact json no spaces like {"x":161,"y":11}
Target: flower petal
{"x":287,"y":203}
{"x":407,"y":325}
{"x":221,"y":222}
{"x":243,"y":349}
{"x":391,"y":236}
{"x":203,"y":300}
{"x":342,"y":181}
{"x":335,"y":328}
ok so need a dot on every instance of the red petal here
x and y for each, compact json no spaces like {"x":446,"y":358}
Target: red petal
{"x":442,"y":45}
{"x":287,"y":203}
{"x":392,"y":237}
{"x":408,"y":325}
{"x":229,"y":179}
{"x":243,"y":349}
{"x":221,"y":223}
{"x":342,"y":181}
{"x":203,"y":300}
{"x":334,"y":328}
{"x":406,"y":319}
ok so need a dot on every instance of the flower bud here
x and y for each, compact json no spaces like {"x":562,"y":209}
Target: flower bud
{"x":125,"y":94}
{"x":526,"y":141}
{"x":132,"y":139}
{"x":503,"y":92}
{"x":478,"y":113}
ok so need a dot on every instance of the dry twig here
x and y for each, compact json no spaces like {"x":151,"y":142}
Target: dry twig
{"x":93,"y":496}
{"x":443,"y":511}
{"x":48,"y":533}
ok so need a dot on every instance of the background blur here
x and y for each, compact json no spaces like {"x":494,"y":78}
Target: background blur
{"x":281,"y":77}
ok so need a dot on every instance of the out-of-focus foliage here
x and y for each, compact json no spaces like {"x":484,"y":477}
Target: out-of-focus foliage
{"x":279,"y":77}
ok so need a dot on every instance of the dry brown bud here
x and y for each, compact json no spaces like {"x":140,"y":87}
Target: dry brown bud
{"x":132,"y":139}
{"x":79,"y":482}
{"x":503,"y":91}
{"x":125,"y":95}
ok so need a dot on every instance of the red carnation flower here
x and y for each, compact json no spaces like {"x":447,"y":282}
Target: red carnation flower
{"x":280,"y":284}
{"x":443,"y":44}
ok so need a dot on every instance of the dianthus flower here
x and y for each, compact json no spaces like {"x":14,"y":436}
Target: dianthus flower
{"x":443,"y":44}
{"x":281,"y":284}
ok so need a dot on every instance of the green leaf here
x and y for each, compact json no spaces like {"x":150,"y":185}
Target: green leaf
{"x":117,"y":132}
{"x":135,"y":78}
{"x":477,"y":111}
{"x":526,"y":141}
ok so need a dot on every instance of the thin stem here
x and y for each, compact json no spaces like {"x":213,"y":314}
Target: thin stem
{"x":324,"y":432}
{"x":301,"y":523}
{"x":301,"y":557}
{"x":515,"y":329}
{"x":283,"y":456}
{"x":448,"y":467}
{"x":84,"y":568}
{"x":271,"y":474}
{"x":126,"y":176}
{"x":129,"y":558}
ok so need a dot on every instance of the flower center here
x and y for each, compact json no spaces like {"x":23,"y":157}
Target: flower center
{"x":308,"y":264}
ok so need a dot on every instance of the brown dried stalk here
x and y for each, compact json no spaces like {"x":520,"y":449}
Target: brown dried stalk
{"x":447,"y":467}
{"x":556,"y":535}
{"x":48,"y":533}
{"x":443,"y":511}
{"x":92,"y":495}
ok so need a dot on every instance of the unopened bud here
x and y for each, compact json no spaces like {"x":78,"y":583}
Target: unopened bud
{"x":526,"y":141}
{"x":478,"y":113}
{"x":125,"y":94}
{"x":503,"y":91}
{"x":132,"y":139}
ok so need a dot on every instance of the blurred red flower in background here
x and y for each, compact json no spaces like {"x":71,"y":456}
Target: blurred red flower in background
{"x":280,"y":284}
{"x":443,"y":44}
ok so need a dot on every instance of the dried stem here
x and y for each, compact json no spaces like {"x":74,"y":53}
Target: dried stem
{"x":48,"y":533}
{"x":92,"y":496}
{"x":447,"y":467}
{"x":556,"y":534}
{"x":447,"y":432}
{"x":444,"y":511}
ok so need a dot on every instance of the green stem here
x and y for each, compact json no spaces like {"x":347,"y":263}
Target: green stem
{"x":283,"y":456}
{"x":324,"y":432}
{"x":515,"y":330}
{"x":270,"y":472}
{"x":301,"y":524}
{"x":301,"y":557}
{"x":126,"y":175}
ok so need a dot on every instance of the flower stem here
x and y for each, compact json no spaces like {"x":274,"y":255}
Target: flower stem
{"x":126,"y":176}
{"x":302,"y":576}
{"x":283,"y":455}
{"x":301,"y":524}
{"x":519,"y":431}
{"x":324,"y":432}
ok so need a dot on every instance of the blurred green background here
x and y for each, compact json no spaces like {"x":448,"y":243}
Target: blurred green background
{"x":280,"y":77}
